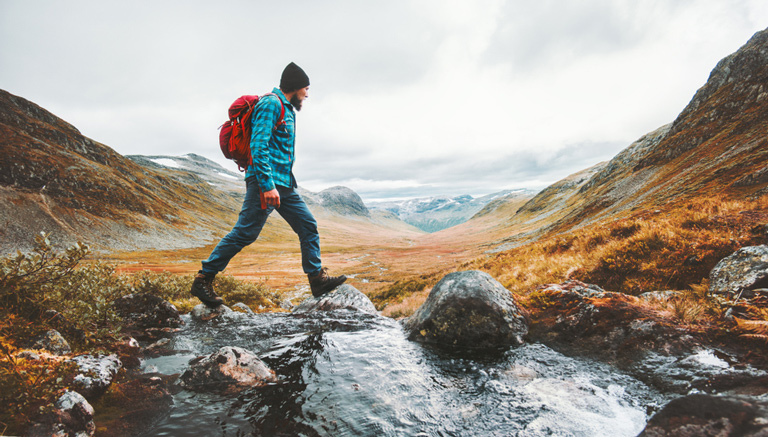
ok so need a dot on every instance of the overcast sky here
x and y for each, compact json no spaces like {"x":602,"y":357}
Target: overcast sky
{"x":407,"y":98}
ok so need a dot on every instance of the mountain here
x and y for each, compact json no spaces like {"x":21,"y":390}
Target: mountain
{"x":716,"y":148}
{"x":54,"y":179}
{"x":202,"y":167}
{"x":433,"y":214}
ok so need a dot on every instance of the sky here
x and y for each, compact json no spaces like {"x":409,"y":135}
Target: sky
{"x":407,"y":98}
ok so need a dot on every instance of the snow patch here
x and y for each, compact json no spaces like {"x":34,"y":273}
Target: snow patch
{"x":166,"y":162}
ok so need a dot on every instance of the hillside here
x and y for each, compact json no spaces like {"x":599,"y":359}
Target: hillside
{"x":717,"y":147}
{"x":55,"y":180}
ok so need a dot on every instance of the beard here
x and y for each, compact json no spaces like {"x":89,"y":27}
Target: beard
{"x":296,"y":103}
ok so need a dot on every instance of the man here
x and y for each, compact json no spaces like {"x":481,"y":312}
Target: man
{"x":270,"y":185}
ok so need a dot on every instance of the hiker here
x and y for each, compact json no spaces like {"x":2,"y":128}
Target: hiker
{"x":270,"y":185}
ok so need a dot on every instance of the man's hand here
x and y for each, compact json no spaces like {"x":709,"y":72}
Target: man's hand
{"x":272,"y":198}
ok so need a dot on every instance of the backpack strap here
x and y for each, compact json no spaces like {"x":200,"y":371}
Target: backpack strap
{"x":282,"y":110}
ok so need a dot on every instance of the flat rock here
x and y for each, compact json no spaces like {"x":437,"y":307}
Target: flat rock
{"x":469,"y":310}
{"x":745,"y":269}
{"x":95,"y":374}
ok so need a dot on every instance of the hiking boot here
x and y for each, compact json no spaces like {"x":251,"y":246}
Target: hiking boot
{"x":202,"y":288}
{"x":322,"y":283}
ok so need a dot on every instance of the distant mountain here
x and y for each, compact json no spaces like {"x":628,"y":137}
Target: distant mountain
{"x":433,"y":214}
{"x":200,"y":166}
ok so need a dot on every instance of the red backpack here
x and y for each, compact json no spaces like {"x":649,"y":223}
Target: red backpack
{"x":235,"y":135}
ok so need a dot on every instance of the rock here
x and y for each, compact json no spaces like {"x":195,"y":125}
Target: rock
{"x":229,"y":368}
{"x":142,"y":402}
{"x":159,"y":348}
{"x":242,"y":308}
{"x":129,"y":352}
{"x":582,"y":318}
{"x":469,"y":310}
{"x":344,"y":297}
{"x":95,"y":374}
{"x":746,"y":269}
{"x":51,"y":342}
{"x":147,"y":316}
{"x":204,"y":313}
{"x":659,"y":296}
{"x":706,"y":415}
{"x":73,"y":416}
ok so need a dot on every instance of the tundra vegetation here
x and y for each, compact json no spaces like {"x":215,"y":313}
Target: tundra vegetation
{"x":63,"y":290}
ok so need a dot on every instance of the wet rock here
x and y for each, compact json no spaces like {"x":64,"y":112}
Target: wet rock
{"x":95,"y":374}
{"x":469,"y":310}
{"x":585,"y":319}
{"x":129,"y":352}
{"x":73,"y":416}
{"x":705,"y":415}
{"x":746,"y":269}
{"x":159,"y":348}
{"x":229,"y":368}
{"x":147,"y":316}
{"x":52,"y":342}
{"x":344,"y":297}
{"x":142,"y":402}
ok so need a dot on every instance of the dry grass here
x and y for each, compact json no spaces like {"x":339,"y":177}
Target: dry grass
{"x":407,"y":306}
{"x":647,"y":251}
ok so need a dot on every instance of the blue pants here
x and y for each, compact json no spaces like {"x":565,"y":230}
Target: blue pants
{"x":251,"y":221}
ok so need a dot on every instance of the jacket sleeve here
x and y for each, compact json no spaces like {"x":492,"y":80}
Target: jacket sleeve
{"x":263,"y":120}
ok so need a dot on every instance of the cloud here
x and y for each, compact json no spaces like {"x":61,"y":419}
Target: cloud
{"x":432,"y":97}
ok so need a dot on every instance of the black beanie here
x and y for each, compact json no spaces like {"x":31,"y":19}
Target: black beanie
{"x":293,"y":78}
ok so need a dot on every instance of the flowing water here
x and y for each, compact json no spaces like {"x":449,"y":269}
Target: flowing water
{"x":345,"y":373}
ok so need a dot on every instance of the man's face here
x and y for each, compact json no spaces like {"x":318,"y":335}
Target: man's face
{"x":298,"y":99}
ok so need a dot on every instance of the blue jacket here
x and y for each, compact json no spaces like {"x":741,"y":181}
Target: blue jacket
{"x":272,"y":148}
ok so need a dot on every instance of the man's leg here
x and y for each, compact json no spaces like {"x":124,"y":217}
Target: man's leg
{"x":246,"y":231}
{"x":300,"y":218}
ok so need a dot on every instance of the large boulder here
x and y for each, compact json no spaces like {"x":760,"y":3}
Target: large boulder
{"x":345,"y":297}
{"x":230,"y":368}
{"x":469,"y":310}
{"x":745,"y":270}
{"x":706,"y":415}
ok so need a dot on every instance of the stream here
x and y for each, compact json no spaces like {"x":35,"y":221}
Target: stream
{"x":347,"y":373}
